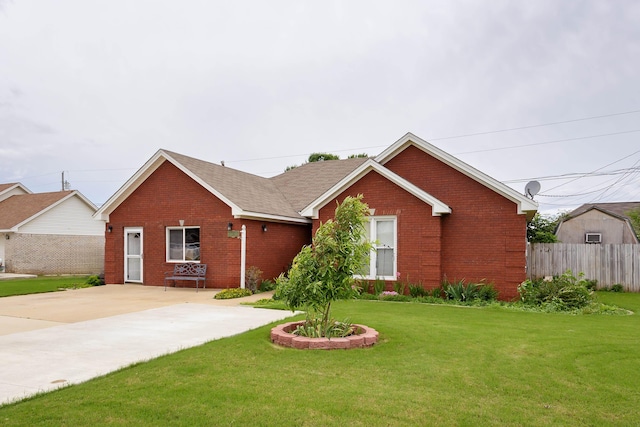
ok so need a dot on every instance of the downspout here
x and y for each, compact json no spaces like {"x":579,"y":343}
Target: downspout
{"x":243,"y":254}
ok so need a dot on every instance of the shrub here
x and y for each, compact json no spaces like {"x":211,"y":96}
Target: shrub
{"x":317,"y":328}
{"x":486,"y":292}
{"x":95,"y":281}
{"x":437,"y":292}
{"x":417,"y":290}
{"x":379,"y":286}
{"x":252,"y":278}
{"x":393,"y":296}
{"x":561,"y":293}
{"x":233,"y":293}
{"x":617,"y":288}
{"x":399,"y":287}
{"x":267,"y":285}
{"x":591,"y":284}
{"x":460,"y":292}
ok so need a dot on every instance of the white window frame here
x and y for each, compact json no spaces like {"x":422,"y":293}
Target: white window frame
{"x":168,"y":246}
{"x":373,"y":256}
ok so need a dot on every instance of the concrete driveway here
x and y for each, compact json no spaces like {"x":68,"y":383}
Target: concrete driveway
{"x":55,"y":339}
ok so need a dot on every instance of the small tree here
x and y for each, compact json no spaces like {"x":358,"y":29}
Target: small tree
{"x":542,"y":228}
{"x":634,"y":217}
{"x":324,"y":271}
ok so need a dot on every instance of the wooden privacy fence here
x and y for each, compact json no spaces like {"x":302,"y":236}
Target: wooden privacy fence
{"x":608,"y":264}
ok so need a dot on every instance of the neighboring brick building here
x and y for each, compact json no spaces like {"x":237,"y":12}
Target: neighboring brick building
{"x":49,"y":233}
{"x":432,"y":216}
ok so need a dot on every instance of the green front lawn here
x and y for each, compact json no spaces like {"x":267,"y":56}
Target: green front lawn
{"x":36,"y":285}
{"x":434,"y":365}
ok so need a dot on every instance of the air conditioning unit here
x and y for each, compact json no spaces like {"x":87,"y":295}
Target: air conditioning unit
{"x":593,"y":238}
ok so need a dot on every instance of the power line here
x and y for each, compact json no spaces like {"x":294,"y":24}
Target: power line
{"x":548,"y":142}
{"x":596,"y":170}
{"x":539,"y":125}
{"x":478,"y":134}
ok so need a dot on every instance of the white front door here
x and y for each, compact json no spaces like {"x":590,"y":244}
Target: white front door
{"x":133,"y":255}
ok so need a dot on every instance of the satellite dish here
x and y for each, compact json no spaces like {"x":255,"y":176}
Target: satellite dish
{"x":532,"y":188}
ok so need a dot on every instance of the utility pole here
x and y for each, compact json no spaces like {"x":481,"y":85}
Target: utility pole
{"x":65,"y":183}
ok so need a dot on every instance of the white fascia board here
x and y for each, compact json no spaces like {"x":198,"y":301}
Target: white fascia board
{"x":524,"y":203}
{"x":258,"y":216}
{"x":437,"y":207}
{"x":142,"y":174}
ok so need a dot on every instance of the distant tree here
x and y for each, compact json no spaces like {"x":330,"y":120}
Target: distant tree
{"x":542,"y":228}
{"x":357,"y":156}
{"x":316,"y":157}
{"x":321,"y":157}
{"x":634,"y":216}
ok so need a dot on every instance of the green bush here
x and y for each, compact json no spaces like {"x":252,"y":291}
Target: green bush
{"x":367,"y":296}
{"x":233,"y":293}
{"x":617,"y":288}
{"x":561,"y":293}
{"x":460,"y":291}
{"x":379,"y":286}
{"x":267,"y":285}
{"x":317,"y":328}
{"x":417,"y":290}
{"x":94,"y":281}
{"x":399,"y":287}
{"x":486,"y":292}
{"x":591,"y":284}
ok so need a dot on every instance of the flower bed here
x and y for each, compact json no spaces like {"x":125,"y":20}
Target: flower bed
{"x":281,"y":335}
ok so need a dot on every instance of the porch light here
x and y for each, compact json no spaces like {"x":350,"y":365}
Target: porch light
{"x":109,"y":229}
{"x":230,"y":226}
{"x":264,"y":227}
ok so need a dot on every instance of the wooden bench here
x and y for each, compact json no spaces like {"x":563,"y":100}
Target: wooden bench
{"x":189,"y":271}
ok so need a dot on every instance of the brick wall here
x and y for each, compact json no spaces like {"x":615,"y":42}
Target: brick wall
{"x":54,"y":254}
{"x":419,"y":233}
{"x":168,"y":196}
{"x":483,"y":237}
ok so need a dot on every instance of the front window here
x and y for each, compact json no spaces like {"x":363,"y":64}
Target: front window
{"x":382,"y":232}
{"x":183,"y":244}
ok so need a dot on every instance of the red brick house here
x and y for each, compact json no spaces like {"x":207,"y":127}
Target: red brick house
{"x":432,"y":216}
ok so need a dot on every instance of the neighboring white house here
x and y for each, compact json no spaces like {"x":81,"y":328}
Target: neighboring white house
{"x":49,"y":233}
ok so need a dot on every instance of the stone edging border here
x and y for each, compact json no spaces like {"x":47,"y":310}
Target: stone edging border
{"x":282,"y":336}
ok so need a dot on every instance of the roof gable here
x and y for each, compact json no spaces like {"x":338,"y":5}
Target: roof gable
{"x":11,"y":189}
{"x":248,"y":196}
{"x":312,"y":210}
{"x":524,"y":204}
{"x":18,"y":210}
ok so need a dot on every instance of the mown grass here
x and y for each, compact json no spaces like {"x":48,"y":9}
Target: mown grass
{"x":36,"y":285}
{"x":434,"y":365}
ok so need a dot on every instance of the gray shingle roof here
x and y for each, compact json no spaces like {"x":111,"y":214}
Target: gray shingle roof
{"x":283,"y":195}
{"x":618,"y":208}
{"x":304,"y":184}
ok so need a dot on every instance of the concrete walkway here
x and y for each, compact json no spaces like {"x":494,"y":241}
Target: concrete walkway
{"x":60,"y":338}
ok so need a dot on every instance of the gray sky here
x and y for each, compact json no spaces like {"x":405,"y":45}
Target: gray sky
{"x":95,"y":88}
